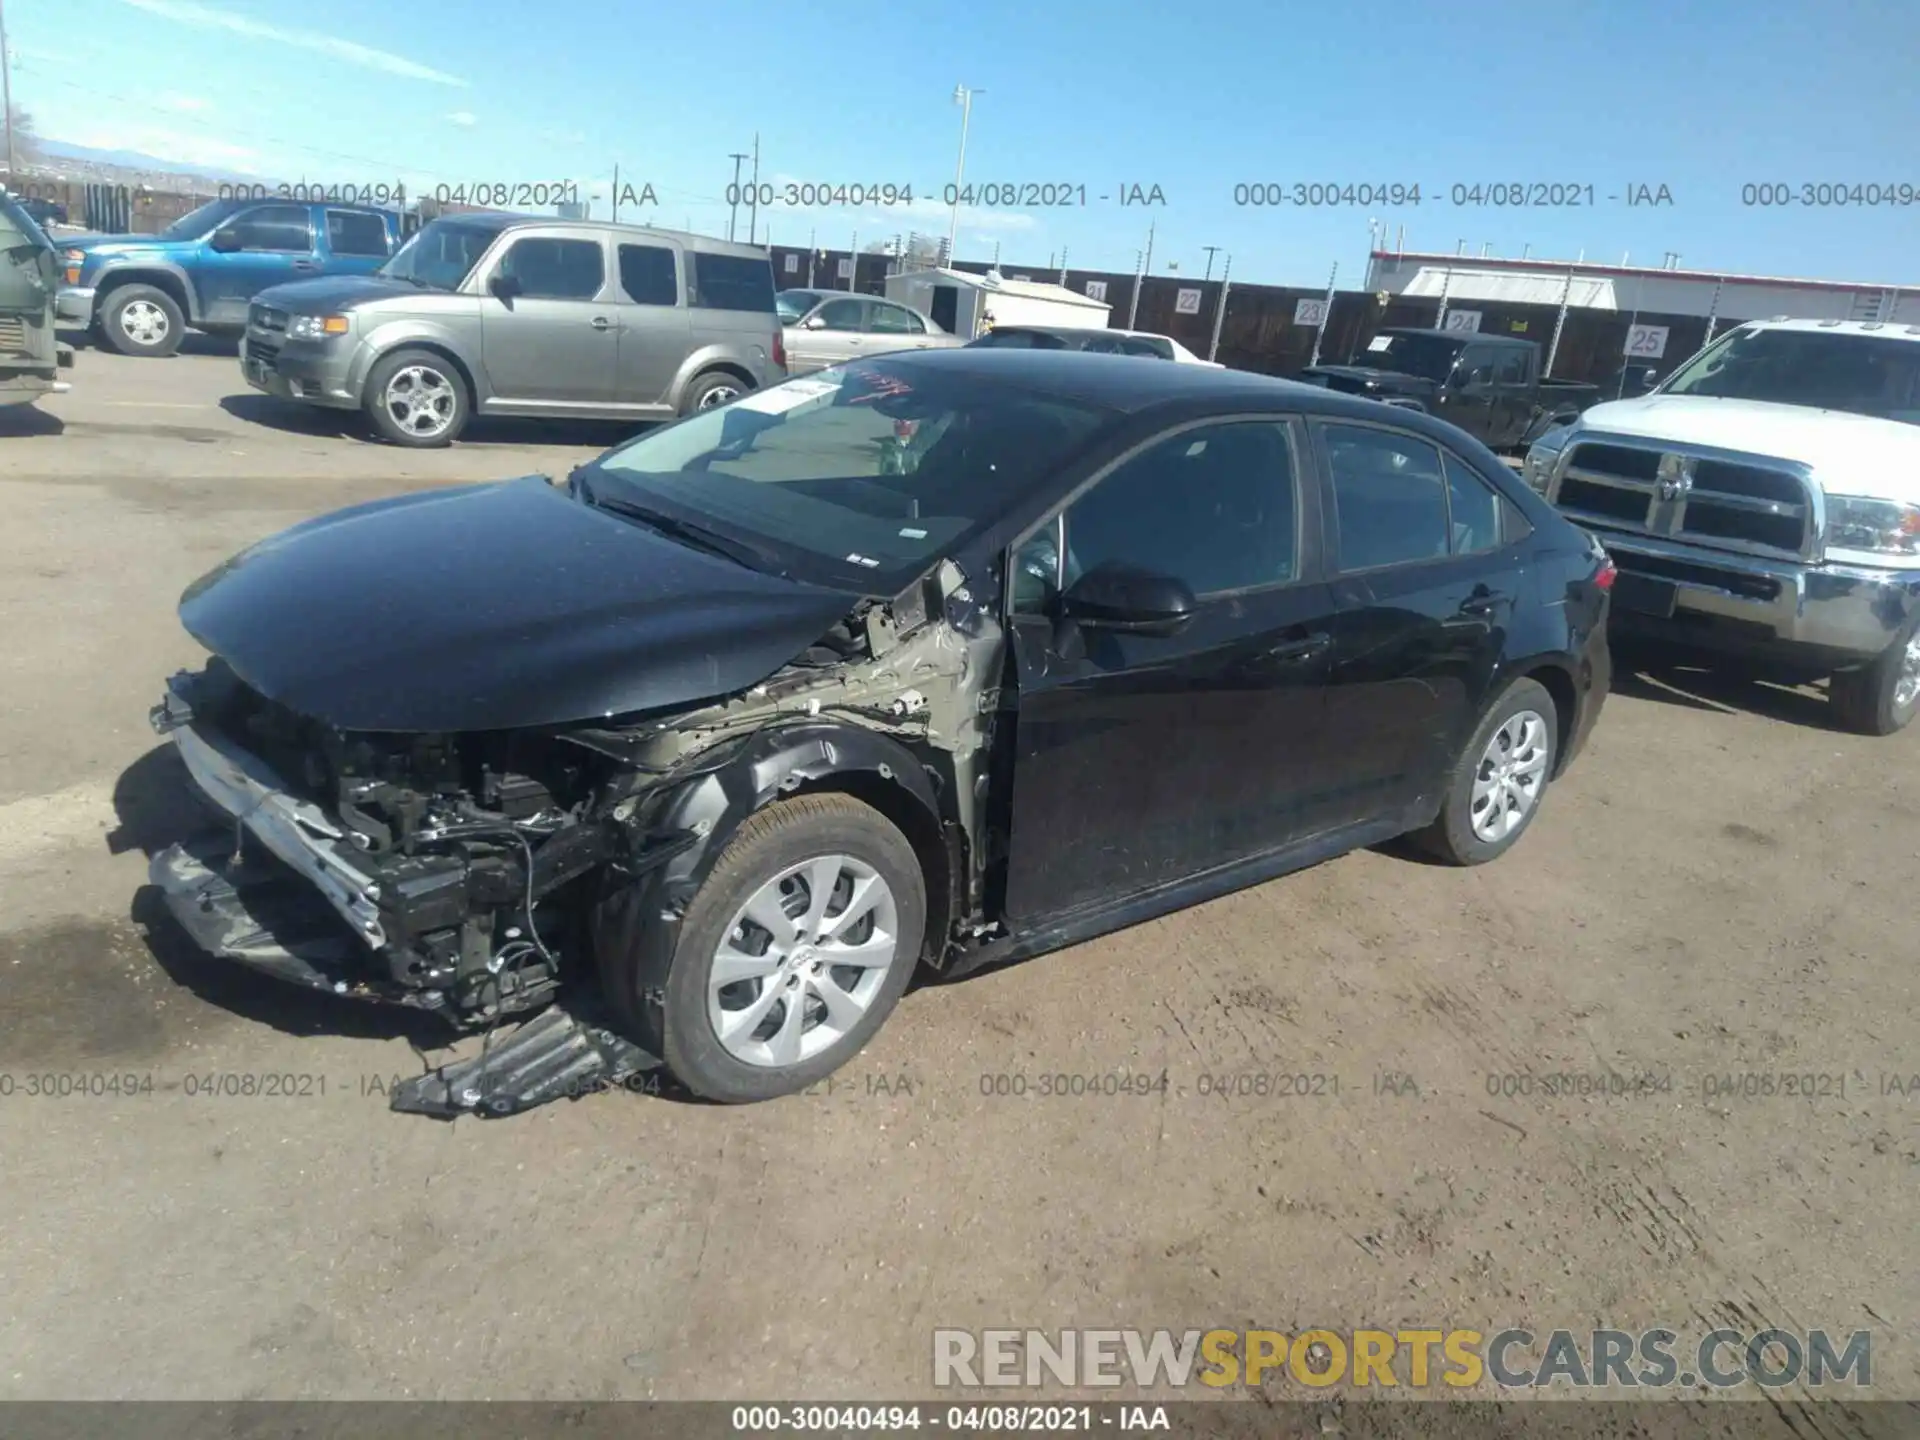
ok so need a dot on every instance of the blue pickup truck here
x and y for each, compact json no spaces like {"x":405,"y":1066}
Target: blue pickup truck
{"x":140,"y":294}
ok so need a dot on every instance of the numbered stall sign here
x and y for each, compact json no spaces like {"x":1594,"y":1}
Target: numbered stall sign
{"x":1311,"y":313}
{"x":846,"y":269}
{"x":1646,"y":342}
{"x":1186,"y":302}
{"x":1467,"y":320}
{"x":1096,"y":289}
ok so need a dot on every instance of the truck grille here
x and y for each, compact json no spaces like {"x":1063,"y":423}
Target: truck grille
{"x":13,"y":334}
{"x":1686,"y":493}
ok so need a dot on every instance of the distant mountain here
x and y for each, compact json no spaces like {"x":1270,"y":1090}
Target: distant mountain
{"x":53,"y":152}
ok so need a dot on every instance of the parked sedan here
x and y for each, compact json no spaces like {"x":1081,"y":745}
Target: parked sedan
{"x":933,"y":660}
{"x":831,"y":327}
{"x":1094,"y":341}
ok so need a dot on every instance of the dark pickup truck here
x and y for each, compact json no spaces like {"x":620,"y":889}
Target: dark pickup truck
{"x":1488,"y":385}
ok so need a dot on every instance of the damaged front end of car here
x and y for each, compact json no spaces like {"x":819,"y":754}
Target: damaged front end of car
{"x":488,"y":875}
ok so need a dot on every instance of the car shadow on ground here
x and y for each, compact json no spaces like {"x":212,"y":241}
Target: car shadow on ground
{"x":1725,"y":689}
{"x":18,"y":421}
{"x":295,"y":418}
{"x":156,"y":805}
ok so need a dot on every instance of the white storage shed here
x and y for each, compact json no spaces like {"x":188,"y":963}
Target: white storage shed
{"x":962,"y":303}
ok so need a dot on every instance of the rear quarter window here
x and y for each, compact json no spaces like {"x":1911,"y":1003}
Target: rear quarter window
{"x":729,"y":282}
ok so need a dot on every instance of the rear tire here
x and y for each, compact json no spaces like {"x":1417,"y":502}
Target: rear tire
{"x":142,"y":320}
{"x":1881,"y":698}
{"x":417,"y":399}
{"x":716,"y":387}
{"x":854,"y":888}
{"x":1500,"y":779}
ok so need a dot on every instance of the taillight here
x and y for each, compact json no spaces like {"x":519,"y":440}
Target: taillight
{"x":780,"y":349}
{"x":1604,"y":577}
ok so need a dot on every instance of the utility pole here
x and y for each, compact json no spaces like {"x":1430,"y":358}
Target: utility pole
{"x":1220,"y":312}
{"x":1063,"y":265}
{"x":6,"y":97}
{"x":616,"y":192}
{"x":1560,"y":321}
{"x":733,"y":210}
{"x":1326,"y":315}
{"x":1211,"y":251}
{"x":813,"y":257}
{"x":753,"y":200}
{"x":963,"y":97}
{"x":1148,"y":265}
{"x":853,"y":265}
{"x":1139,"y":274}
{"x":996,"y":255}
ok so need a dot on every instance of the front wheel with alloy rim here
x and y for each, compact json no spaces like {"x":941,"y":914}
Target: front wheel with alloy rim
{"x":1496,"y":789}
{"x":417,"y":398}
{"x":142,"y":320}
{"x":795,"y":950}
{"x":1883,"y":697}
{"x":716,"y":387}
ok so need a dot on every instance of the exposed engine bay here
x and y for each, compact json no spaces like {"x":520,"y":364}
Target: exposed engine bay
{"x":487,"y":875}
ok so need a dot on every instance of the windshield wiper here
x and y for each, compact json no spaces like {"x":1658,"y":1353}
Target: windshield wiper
{"x":689,"y":533}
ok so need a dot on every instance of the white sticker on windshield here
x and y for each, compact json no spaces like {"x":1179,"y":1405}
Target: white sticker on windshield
{"x":1380,"y":342}
{"x":782,"y":398}
{"x":913,"y":534}
{"x":863,"y":560}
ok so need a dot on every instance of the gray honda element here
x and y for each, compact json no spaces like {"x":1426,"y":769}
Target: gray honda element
{"x":522,"y":315}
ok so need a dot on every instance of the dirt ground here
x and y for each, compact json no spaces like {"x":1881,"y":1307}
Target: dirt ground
{"x":1721,"y":886}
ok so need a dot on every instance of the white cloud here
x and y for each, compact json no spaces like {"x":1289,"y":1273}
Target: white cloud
{"x":189,"y":104}
{"x":465,"y":119}
{"x":206,"y":17}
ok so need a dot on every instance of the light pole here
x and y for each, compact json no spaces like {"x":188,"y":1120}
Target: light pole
{"x":6,"y":98}
{"x":733,"y":208}
{"x":963,"y":97}
{"x":1211,"y":250}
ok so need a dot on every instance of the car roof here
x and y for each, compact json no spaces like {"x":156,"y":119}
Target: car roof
{"x":518,"y":220}
{"x":1844,"y":327}
{"x":1121,"y":383}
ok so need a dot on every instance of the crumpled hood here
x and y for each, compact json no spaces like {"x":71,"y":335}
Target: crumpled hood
{"x":491,"y":607}
{"x":1850,"y":454}
{"x":330,"y":294}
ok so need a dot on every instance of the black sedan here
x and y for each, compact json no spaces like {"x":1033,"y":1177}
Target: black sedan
{"x":933,"y":660}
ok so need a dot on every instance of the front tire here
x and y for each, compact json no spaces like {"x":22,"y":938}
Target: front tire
{"x":794,"y":952}
{"x":1500,"y":780}
{"x":418,"y":399}
{"x":142,"y":320}
{"x":1881,"y":698}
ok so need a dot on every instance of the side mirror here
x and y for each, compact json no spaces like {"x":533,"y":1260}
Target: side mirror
{"x":1650,"y":380}
{"x":813,"y":322}
{"x":224,"y":242}
{"x":1128,"y":598}
{"x":505,"y":287}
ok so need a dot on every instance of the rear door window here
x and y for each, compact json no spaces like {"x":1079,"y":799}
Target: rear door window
{"x":648,"y":275}
{"x":886,"y":319}
{"x":729,"y":282}
{"x":843,"y":315}
{"x":354,"y":232}
{"x":1390,"y":497}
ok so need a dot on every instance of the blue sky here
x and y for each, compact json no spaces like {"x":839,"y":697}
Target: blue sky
{"x":1700,"y":97}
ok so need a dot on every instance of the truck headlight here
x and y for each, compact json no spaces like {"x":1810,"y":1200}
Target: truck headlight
{"x":315,"y":327}
{"x":1542,"y":455}
{"x":1884,"y":527}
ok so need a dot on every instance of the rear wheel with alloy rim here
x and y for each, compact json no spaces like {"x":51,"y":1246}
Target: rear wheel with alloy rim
{"x":417,"y":398}
{"x":716,"y":387}
{"x":1883,"y":697}
{"x":795,"y":950}
{"x":1496,"y":789}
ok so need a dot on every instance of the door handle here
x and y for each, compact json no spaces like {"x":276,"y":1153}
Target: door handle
{"x":1482,"y":602}
{"x":1304,"y":648}
{"x":306,"y":265}
{"x":600,"y":322}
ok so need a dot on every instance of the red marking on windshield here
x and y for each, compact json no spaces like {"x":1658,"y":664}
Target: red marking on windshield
{"x":882,"y":387}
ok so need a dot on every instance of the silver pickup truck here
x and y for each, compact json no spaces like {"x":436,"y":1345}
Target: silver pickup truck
{"x":1764,"y":502}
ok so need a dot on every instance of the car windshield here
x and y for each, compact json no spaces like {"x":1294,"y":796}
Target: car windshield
{"x":441,"y":254}
{"x":857,"y":477}
{"x":1430,"y":357}
{"x":1824,"y":369}
{"x":792,"y":304}
{"x":201,"y":219}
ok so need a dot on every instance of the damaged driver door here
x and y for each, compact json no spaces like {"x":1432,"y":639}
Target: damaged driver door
{"x":1171,"y":640}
